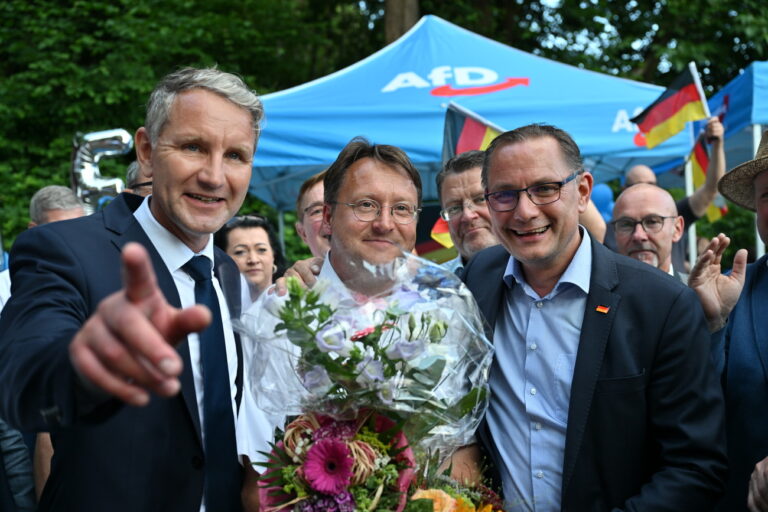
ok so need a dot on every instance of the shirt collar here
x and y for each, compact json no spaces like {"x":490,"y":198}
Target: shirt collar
{"x":578,"y":272}
{"x":173,"y":251}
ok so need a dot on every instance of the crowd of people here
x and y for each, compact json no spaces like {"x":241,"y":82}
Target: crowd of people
{"x":621,"y":380}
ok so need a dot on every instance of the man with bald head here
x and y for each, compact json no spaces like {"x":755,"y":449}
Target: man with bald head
{"x":646,"y":224}
{"x":693,"y":207}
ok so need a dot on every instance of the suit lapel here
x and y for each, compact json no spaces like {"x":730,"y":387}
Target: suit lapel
{"x":489,"y":291}
{"x":595,"y":329}
{"x":758,"y":297}
{"x":119,"y":219}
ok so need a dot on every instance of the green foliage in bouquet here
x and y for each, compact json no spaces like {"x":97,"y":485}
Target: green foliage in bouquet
{"x":387,"y":363}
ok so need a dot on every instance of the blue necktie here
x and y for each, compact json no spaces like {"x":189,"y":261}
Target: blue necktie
{"x":222,"y":470}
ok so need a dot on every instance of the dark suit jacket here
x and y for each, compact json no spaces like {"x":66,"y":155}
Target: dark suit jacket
{"x":645,"y":421}
{"x":740,"y":351}
{"x":107,"y":456}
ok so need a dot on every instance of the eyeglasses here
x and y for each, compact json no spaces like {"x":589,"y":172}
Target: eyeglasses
{"x":142,"y":184}
{"x":453,"y":211}
{"x":540,"y":194}
{"x":367,"y":210}
{"x":650,"y":223}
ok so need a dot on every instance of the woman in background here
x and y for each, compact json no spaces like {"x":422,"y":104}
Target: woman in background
{"x":252,"y":243}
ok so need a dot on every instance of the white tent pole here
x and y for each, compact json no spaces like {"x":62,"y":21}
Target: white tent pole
{"x":281,"y":230}
{"x":756,"y":134}
{"x":692,"y":228}
{"x":692,"y":245}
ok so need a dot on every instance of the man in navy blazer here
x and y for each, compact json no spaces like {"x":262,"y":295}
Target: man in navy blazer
{"x":91,"y":358}
{"x":603,"y":396}
{"x":736,"y":305}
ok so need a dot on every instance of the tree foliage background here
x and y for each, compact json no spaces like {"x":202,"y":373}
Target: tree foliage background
{"x":89,"y":65}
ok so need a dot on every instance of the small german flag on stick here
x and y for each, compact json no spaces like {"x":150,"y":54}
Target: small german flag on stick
{"x":699,"y":158}
{"x":465,"y":131}
{"x":683,"y":101}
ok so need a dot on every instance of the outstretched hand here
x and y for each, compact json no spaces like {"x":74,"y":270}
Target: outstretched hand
{"x":126,"y":347}
{"x":717,"y":292}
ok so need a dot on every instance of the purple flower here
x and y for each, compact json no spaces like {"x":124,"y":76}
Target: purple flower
{"x":387,"y":392}
{"x":333,"y":338}
{"x":342,"y":502}
{"x":406,"y":349}
{"x":317,"y":381}
{"x":335,"y":429}
{"x":370,"y":371}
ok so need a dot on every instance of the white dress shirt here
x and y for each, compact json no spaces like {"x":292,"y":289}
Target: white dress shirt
{"x":175,"y":254}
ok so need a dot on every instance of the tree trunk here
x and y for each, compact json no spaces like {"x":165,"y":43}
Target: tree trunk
{"x":399,"y":16}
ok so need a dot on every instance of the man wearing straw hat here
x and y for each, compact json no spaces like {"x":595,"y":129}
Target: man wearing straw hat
{"x":736,"y":305}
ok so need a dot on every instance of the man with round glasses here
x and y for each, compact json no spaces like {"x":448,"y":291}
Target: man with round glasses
{"x":372,"y":202}
{"x":603,"y":394}
{"x":646,"y":224}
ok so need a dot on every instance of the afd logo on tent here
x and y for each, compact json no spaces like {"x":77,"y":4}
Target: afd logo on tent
{"x":454,"y":81}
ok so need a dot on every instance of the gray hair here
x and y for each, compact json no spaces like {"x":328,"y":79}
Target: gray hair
{"x":226,"y":85}
{"x":131,"y":174}
{"x":52,"y":197}
{"x":568,"y":147}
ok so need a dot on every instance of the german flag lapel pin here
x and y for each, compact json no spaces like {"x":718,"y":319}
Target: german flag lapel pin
{"x":603,"y":309}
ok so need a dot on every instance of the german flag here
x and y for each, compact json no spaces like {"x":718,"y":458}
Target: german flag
{"x":465,"y":131}
{"x":683,"y":101}
{"x":700,"y":162}
{"x":441,"y":234}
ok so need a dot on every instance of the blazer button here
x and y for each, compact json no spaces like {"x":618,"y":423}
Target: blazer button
{"x":197,"y":462}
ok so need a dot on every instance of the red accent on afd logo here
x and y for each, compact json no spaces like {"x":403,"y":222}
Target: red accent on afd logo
{"x":448,"y":90}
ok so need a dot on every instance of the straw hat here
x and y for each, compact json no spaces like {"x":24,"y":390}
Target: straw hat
{"x":736,"y":185}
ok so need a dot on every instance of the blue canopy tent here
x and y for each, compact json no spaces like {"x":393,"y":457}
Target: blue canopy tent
{"x":744,"y":101}
{"x":399,"y":95}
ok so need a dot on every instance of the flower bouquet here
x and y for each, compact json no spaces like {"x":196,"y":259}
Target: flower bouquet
{"x":377,"y":382}
{"x":434,"y":491}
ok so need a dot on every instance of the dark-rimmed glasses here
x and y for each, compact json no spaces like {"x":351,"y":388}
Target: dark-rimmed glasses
{"x":140,"y":185}
{"x":367,"y":210}
{"x":650,"y":223}
{"x":539,"y":194}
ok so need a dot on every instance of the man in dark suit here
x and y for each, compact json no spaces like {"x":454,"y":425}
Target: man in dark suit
{"x":77,"y":344}
{"x":603,"y":396}
{"x":735,"y":306}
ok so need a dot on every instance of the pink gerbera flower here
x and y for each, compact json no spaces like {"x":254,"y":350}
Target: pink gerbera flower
{"x":328,"y":466}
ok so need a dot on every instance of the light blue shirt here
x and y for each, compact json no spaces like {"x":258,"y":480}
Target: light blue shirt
{"x":536,"y":341}
{"x":456,"y":265}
